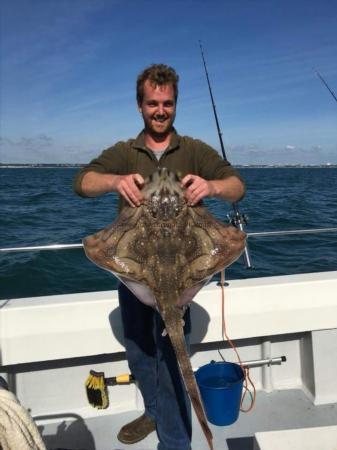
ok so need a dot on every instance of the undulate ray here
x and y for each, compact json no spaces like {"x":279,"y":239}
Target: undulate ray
{"x":165,"y":251}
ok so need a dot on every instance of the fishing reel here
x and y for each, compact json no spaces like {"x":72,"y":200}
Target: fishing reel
{"x":239,"y":220}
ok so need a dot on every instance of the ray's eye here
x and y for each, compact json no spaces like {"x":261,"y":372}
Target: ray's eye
{"x":191,"y":246}
{"x":140,"y":249}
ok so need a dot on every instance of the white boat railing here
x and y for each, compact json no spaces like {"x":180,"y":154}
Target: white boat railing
{"x":41,"y":247}
{"x":249,"y":235}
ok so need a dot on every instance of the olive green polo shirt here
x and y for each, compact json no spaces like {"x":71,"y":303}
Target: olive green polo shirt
{"x":184,"y":155}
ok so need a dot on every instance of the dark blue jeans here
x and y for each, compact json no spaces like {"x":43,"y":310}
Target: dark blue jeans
{"x":153,"y":363}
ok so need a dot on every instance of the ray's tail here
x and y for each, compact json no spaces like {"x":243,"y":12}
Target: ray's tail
{"x":178,"y":342}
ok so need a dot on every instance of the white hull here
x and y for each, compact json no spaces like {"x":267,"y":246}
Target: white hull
{"x":49,"y":344}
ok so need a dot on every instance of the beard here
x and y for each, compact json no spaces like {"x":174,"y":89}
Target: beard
{"x":159,"y":126}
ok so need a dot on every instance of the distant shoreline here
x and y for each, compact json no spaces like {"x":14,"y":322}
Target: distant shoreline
{"x":40,"y":166}
{"x":248,"y":166}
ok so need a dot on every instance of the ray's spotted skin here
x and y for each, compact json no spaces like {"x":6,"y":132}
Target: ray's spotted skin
{"x":165,"y":251}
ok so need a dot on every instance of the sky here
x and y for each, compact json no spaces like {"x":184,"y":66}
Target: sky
{"x":68,"y":71}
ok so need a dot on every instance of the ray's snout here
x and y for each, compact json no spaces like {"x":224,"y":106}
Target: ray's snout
{"x":163,"y":195}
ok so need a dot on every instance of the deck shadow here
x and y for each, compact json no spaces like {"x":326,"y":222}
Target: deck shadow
{"x":69,"y":435}
{"x":241,"y":443}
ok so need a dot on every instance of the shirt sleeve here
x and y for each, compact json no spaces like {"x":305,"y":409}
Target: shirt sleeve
{"x":112,"y":160}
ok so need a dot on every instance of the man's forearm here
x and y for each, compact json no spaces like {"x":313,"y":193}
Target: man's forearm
{"x":231,"y":189}
{"x":94,"y":183}
{"x":128,"y":186}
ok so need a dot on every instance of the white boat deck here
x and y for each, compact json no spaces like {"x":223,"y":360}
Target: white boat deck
{"x":323,"y":438}
{"x":279,"y":410}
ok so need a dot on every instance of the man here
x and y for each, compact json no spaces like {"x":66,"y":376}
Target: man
{"x":123,"y":168}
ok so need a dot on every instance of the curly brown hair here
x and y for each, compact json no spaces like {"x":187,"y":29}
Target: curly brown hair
{"x":158,"y":75}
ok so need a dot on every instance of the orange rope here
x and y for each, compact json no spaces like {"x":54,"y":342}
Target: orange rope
{"x":245,"y":370}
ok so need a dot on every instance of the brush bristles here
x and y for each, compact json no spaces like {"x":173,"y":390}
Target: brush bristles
{"x":96,"y":390}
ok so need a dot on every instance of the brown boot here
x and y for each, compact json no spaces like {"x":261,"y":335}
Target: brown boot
{"x":136,"y":430}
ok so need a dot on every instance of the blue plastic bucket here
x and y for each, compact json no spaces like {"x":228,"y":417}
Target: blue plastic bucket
{"x":220,"y":385}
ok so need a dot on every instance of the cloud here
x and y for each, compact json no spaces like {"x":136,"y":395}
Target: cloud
{"x":25,"y":149}
{"x":43,"y":149}
{"x":252,"y":154}
{"x":46,"y":149}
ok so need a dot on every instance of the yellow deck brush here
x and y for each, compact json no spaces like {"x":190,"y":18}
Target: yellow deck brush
{"x":96,"y":387}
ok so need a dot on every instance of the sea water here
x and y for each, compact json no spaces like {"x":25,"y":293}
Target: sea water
{"x":39,"y":207}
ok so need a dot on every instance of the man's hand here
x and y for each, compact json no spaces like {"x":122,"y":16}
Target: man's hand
{"x":128,"y":187}
{"x":231,"y":189}
{"x":196,"y":189}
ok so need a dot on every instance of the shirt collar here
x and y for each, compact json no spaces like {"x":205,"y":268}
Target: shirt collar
{"x":140,"y":141}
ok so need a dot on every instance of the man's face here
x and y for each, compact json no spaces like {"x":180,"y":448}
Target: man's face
{"x":158,"y":108}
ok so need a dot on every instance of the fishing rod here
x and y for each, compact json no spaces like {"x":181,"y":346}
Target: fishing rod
{"x":325,"y":84}
{"x":237,"y":219}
